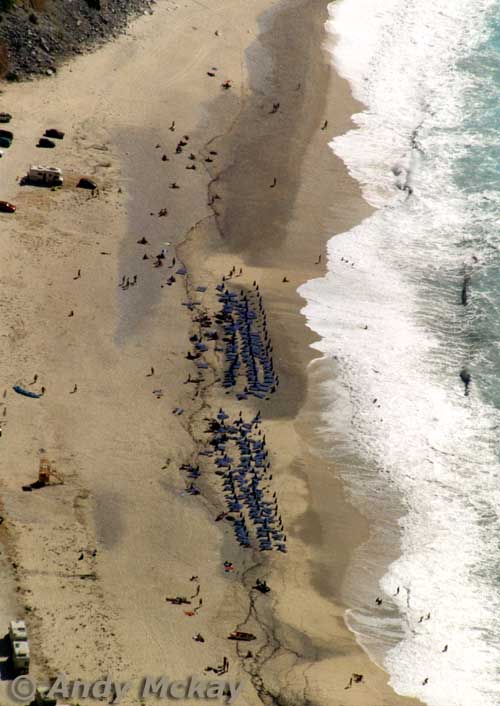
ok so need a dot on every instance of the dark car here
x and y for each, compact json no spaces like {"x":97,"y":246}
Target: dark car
{"x":7,"y":133}
{"x":5,"y":117}
{"x":7,"y":207}
{"x":86,"y":183}
{"x":52,"y":132}
{"x":5,"y":142}
{"x":44,"y":142}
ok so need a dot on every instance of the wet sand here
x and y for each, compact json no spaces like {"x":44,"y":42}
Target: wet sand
{"x":123,"y":506}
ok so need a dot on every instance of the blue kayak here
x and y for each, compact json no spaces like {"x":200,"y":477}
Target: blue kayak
{"x":27,"y":393}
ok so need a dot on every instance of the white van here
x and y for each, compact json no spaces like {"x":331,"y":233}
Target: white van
{"x":51,"y":176}
{"x":18,"y":635}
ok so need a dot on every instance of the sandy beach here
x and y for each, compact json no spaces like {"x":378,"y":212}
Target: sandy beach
{"x":89,"y":563}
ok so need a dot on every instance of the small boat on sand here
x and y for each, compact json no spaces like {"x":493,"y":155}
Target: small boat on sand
{"x":241,"y":636}
{"x":27,"y":393}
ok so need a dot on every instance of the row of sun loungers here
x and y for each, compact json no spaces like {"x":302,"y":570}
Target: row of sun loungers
{"x":241,"y":460}
{"x":240,"y":457}
{"x":247,"y":350}
{"x":237,"y":449}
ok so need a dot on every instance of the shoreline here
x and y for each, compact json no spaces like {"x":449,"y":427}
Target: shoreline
{"x":103,"y":440}
{"x":291,"y":408}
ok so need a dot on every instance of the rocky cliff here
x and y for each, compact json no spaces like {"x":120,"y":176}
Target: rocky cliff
{"x":35,"y":35}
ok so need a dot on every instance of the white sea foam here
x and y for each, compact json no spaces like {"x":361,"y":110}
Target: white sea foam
{"x":389,"y":310}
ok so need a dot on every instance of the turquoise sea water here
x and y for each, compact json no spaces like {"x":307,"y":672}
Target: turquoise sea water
{"x":477,"y":174}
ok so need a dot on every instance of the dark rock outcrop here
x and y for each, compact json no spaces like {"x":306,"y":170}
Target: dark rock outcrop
{"x":36,"y":35}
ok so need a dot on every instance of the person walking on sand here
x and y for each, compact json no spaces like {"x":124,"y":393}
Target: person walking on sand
{"x":325,"y":125}
{"x":172,"y":127}
{"x":78,"y":275}
{"x":151,"y":373}
{"x":35,"y":378}
{"x":275,"y":181}
{"x":74,"y":390}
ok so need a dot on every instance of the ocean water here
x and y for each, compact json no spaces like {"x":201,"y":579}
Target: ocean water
{"x":409,"y":310}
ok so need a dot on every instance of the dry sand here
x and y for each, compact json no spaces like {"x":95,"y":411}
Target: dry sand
{"x":117,"y":443}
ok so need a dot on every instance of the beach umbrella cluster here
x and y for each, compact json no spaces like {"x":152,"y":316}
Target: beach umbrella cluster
{"x":248,"y":349}
{"x":242,"y":461}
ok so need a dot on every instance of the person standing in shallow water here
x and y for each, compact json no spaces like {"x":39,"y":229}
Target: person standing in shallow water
{"x":466,"y":378}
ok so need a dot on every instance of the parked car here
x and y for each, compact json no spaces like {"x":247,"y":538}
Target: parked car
{"x":7,"y":133}
{"x":5,"y":117}
{"x":45,"y":142}
{"x":5,"y":142}
{"x":52,"y":132}
{"x":86,"y":183}
{"x":7,"y":207}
